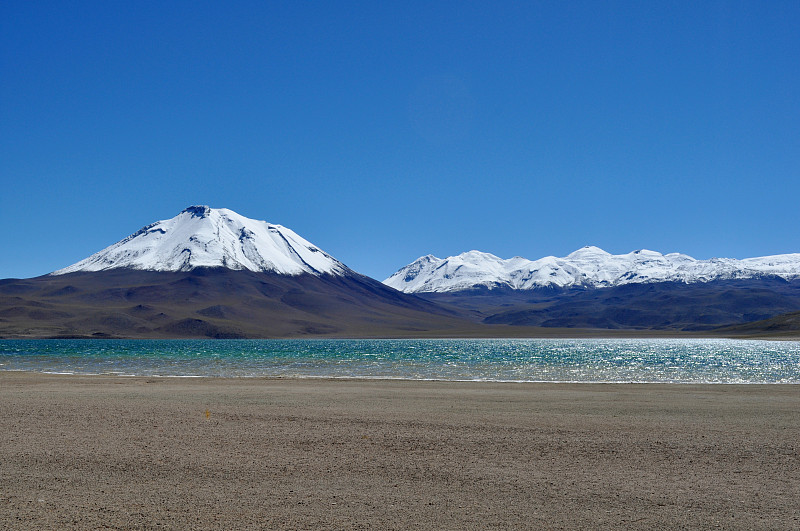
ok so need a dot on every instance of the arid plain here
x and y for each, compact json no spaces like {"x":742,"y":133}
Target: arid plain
{"x":135,"y":453}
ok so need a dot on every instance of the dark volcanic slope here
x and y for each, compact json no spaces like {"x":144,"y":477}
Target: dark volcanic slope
{"x":787,"y":325}
{"x":221,"y":303}
{"x":658,"y":306}
{"x":217,"y":303}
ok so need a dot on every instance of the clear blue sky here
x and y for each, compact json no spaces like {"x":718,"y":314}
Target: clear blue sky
{"x":384,"y":131}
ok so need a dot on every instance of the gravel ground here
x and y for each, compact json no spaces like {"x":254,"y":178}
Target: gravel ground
{"x":143,"y":453}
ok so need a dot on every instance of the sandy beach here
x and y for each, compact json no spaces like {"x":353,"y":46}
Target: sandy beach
{"x":144,"y":453}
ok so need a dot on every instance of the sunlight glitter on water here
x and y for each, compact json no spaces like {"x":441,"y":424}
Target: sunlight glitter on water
{"x":551,"y":360}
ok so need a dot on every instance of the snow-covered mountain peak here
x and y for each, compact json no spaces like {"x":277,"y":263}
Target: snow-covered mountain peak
{"x":588,"y":267}
{"x":646,"y":253}
{"x":477,"y":255}
{"x":588,"y":251}
{"x":201,"y":236}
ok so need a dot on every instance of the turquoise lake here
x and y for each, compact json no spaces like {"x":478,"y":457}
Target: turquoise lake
{"x":529,"y":360}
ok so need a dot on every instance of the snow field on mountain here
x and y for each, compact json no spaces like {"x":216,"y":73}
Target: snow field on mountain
{"x":204,"y":237}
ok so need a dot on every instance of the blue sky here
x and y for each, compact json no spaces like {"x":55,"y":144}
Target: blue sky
{"x":382,"y":132}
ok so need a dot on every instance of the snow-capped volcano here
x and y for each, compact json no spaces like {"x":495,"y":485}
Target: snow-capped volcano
{"x":587,"y":267}
{"x":212,"y":237}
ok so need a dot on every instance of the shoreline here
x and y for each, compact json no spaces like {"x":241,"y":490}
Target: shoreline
{"x":214,"y":453}
{"x":623,"y":335}
{"x":356,"y":379}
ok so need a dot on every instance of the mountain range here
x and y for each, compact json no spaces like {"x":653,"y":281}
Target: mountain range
{"x":589,"y":267}
{"x":214,"y":273}
{"x":591,"y":289}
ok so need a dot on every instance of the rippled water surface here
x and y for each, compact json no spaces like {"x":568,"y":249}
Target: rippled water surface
{"x":552,"y":360}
